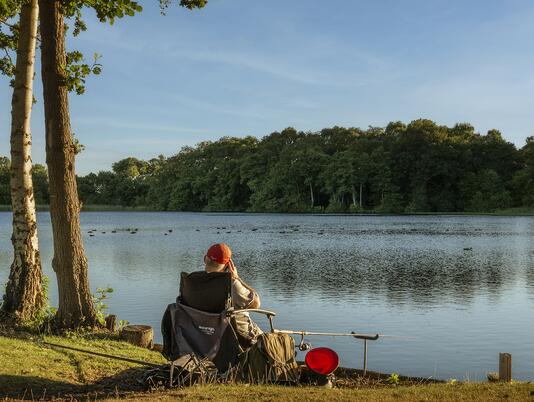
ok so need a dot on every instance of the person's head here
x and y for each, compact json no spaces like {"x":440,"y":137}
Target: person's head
{"x":217,"y":257}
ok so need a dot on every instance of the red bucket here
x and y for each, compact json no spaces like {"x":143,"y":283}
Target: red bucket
{"x":322,"y":360}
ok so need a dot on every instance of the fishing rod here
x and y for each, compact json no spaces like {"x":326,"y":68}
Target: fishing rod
{"x":351,"y":334}
{"x":271,"y":314}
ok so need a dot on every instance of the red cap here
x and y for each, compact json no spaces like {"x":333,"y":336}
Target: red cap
{"x":220,"y":253}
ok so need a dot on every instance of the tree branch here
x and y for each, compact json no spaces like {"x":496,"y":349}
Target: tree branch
{"x":2,"y":21}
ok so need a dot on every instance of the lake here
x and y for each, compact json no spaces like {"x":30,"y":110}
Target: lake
{"x":453,"y":291}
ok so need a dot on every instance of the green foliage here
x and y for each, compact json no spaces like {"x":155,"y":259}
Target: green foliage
{"x":189,"y":4}
{"x":484,"y":192}
{"x":335,"y":206}
{"x":523,"y":180}
{"x":127,"y":185}
{"x":419,"y":167}
{"x":100,"y":295}
{"x":8,"y":9}
{"x":5,"y":176}
{"x":77,"y":70}
{"x":40,"y":183}
{"x":393,"y":379}
{"x":9,"y":34}
{"x":78,"y":146}
{"x":44,"y":317}
{"x":106,"y":11}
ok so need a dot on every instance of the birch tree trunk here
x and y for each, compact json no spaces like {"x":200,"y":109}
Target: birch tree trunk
{"x":361,"y":194}
{"x":353,"y":196}
{"x":311,"y":194}
{"x":75,"y":306}
{"x":24,"y":296}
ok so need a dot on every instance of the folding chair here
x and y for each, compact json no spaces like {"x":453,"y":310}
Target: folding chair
{"x":197,"y":329}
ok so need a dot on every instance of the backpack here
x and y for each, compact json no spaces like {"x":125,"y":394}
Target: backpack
{"x":270,"y":359}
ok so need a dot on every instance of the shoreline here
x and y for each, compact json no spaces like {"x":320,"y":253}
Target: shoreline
{"x":511,"y":212}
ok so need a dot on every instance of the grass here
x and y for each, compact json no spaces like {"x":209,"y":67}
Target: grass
{"x":31,"y":367}
{"x":260,"y":393}
{"x":33,"y":370}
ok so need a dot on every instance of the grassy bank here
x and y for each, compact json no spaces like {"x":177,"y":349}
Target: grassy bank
{"x":34,"y":370}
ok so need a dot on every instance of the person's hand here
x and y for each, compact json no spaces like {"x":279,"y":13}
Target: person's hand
{"x":233,"y":270}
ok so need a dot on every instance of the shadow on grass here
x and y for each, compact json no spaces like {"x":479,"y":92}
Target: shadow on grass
{"x":37,"y":388}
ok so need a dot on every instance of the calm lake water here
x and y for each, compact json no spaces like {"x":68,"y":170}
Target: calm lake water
{"x":462,"y":287}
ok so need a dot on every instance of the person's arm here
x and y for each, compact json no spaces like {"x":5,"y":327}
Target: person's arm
{"x":255,"y":302}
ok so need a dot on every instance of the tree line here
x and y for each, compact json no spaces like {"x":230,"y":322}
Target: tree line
{"x":402,"y":168}
{"x":415,"y":167}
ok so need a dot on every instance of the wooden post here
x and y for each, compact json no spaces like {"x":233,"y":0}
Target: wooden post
{"x":139,"y":335}
{"x":111,"y":322}
{"x":505,"y":367}
{"x":364,"y":356}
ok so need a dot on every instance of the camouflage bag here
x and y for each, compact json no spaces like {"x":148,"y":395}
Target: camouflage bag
{"x":270,"y":359}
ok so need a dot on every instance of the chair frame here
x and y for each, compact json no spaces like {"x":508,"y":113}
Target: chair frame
{"x":230,"y":312}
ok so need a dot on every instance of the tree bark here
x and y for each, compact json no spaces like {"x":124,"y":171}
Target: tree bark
{"x":24,"y":297}
{"x":353,"y":196}
{"x":361,"y":194}
{"x":75,"y":305}
{"x":311,"y":193}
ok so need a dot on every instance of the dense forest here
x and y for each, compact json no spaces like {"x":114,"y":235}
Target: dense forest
{"x":419,"y":167}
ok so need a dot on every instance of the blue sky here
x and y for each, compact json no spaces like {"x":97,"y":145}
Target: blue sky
{"x":250,"y":67}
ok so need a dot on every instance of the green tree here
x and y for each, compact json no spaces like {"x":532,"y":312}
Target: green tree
{"x":485,"y":191}
{"x":523,"y":181}
{"x":40,"y":185}
{"x":5,"y":193}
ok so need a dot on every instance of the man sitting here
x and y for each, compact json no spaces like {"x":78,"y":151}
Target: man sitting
{"x":218,"y":258}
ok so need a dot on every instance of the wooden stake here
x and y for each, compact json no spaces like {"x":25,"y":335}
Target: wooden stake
{"x":505,"y":367}
{"x":111,"y":322}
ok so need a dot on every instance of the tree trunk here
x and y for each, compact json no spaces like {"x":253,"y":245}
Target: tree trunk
{"x":24,"y":296}
{"x":361,"y":193}
{"x":75,"y":307}
{"x":353,"y":196}
{"x":311,"y":193}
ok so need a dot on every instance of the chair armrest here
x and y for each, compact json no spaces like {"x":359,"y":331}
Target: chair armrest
{"x":251,"y":310}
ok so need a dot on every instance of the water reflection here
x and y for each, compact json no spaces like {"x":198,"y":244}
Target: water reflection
{"x":394,"y":275}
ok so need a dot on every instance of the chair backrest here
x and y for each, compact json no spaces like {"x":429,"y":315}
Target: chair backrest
{"x":210,"y":292}
{"x":197,"y":322}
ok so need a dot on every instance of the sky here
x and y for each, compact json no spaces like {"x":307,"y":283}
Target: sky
{"x":251,"y":67}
